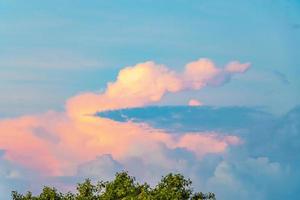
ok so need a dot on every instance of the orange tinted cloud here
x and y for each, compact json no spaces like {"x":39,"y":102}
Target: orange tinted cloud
{"x":195,"y":102}
{"x":82,"y":141}
{"x":135,"y":86}
{"x":147,"y":82}
{"x":23,"y":146}
{"x":57,"y":143}
{"x":237,"y":67}
{"x":199,"y":73}
{"x":205,"y":143}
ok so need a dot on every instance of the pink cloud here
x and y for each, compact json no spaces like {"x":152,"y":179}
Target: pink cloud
{"x":146,"y":83}
{"x":199,"y":73}
{"x":237,"y":67}
{"x":195,"y":102}
{"x":205,"y":143}
{"x":135,"y":86}
{"x":57,"y":143}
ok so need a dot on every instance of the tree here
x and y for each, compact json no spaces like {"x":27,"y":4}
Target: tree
{"x":173,"y":186}
{"x":124,"y":187}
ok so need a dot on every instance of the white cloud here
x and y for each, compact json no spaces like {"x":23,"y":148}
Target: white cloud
{"x":103,"y":167}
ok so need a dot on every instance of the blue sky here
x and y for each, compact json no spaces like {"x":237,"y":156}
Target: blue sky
{"x":57,"y":57}
{"x":55,"y":49}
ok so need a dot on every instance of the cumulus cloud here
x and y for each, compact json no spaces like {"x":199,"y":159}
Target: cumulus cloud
{"x":104,"y":167}
{"x":82,"y":141}
{"x":260,"y":168}
{"x":264,"y":166}
{"x":147,"y":82}
{"x":135,"y":86}
{"x":77,"y":141}
{"x":257,"y":178}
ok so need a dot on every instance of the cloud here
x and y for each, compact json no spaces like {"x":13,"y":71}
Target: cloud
{"x":104,"y":167}
{"x":50,"y":142}
{"x":257,"y":178}
{"x":135,"y":86}
{"x":237,"y":67}
{"x":200,"y":73}
{"x":77,"y":142}
{"x":147,"y":82}
{"x":264,"y":166}
{"x":82,"y":141}
{"x":260,"y":167}
{"x":195,"y":102}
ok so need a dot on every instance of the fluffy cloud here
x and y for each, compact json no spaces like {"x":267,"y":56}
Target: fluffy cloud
{"x":265,"y":166}
{"x":81,"y":141}
{"x":260,"y":168}
{"x":251,"y":177}
{"x":77,"y":141}
{"x":104,"y":167}
{"x":147,"y":82}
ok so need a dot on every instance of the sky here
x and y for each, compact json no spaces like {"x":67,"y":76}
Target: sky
{"x":207,"y":88}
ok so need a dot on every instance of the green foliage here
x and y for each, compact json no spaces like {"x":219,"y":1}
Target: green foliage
{"x":173,"y":186}
{"x":124,"y":187}
{"x":88,"y":191}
